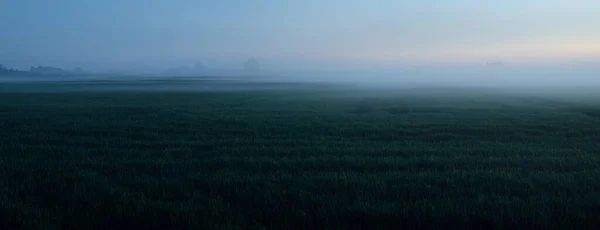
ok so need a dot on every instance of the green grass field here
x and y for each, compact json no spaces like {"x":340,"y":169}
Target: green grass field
{"x":297,"y":159}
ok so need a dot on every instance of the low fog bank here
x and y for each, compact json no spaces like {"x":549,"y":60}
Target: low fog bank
{"x":487,"y":76}
{"x":491,"y":75}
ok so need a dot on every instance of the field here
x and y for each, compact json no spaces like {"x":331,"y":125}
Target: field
{"x":296,"y":157}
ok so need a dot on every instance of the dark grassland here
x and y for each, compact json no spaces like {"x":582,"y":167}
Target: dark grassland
{"x":297,"y":159}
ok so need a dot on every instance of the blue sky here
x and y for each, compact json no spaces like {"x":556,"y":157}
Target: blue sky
{"x":309,"y":34}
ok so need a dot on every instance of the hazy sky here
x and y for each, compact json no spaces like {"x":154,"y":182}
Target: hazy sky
{"x":307,"y":33}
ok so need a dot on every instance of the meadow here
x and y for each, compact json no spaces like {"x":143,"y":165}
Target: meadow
{"x":296,"y":158}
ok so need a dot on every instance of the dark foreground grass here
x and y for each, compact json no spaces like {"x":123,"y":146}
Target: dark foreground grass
{"x":296,"y":160}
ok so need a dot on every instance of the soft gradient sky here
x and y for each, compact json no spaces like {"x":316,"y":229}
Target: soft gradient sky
{"x":307,"y":33}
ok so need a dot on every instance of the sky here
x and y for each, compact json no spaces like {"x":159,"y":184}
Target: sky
{"x":307,"y":34}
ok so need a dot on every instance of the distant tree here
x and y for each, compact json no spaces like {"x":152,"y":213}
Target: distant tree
{"x":495,"y":64}
{"x":47,"y":70}
{"x":10,"y":71}
{"x":252,"y":65}
{"x":199,"y":66}
{"x":77,"y":70}
{"x":4,"y":69}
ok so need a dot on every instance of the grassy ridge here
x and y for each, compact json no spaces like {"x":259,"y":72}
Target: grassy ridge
{"x":296,"y":159}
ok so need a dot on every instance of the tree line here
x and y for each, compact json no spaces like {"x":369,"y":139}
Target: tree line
{"x":39,"y":70}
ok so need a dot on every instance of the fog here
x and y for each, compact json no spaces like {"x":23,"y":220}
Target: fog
{"x":484,"y":75}
{"x":539,"y":43}
{"x":460,"y":75}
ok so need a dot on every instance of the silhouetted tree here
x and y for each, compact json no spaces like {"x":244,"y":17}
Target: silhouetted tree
{"x":495,"y":64}
{"x":46,"y":70}
{"x":77,"y":70}
{"x":10,"y":71}
{"x":252,"y":65}
{"x":199,"y":66}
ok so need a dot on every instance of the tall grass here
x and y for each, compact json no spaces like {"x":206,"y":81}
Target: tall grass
{"x":295,"y":159}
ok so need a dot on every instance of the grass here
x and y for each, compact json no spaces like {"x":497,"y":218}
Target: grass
{"x":297,"y":159}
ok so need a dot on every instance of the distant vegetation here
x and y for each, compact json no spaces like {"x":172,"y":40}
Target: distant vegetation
{"x":45,"y":70}
{"x":39,"y":71}
{"x":6,"y":71}
{"x":252,"y":66}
